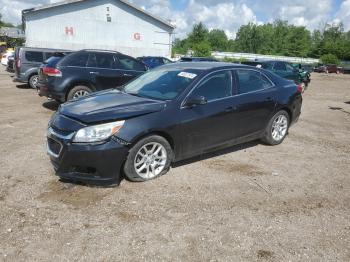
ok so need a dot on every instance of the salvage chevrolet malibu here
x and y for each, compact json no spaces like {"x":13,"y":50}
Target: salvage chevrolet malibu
{"x":168,"y":114}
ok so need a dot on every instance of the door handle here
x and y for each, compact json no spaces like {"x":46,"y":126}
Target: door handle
{"x":230,"y":109}
{"x":94,"y":73}
{"x":268,"y":99}
{"x":127,"y":75}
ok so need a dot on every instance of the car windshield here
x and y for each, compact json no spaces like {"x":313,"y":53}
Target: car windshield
{"x":162,"y":84}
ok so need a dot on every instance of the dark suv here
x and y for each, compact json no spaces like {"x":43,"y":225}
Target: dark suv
{"x":28,"y":61}
{"x":87,"y":71}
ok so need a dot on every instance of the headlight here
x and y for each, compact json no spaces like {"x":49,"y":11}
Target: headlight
{"x":97,"y":133}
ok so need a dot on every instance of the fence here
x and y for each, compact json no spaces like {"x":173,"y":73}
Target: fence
{"x":256,"y":57}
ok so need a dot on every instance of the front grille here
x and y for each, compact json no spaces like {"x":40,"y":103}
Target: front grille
{"x":54,"y":146}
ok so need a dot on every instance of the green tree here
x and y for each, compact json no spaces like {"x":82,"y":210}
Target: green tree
{"x":199,"y":34}
{"x":329,"y":59}
{"x":218,"y":40}
{"x":202,"y":49}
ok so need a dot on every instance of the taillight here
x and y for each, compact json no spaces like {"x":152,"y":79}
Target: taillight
{"x":52,"y":72}
{"x":300,"y":88}
{"x":18,"y":63}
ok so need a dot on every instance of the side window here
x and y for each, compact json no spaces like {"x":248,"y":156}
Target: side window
{"x":31,"y":56}
{"x":129,"y":63}
{"x":216,"y":86}
{"x":280,"y":66}
{"x":290,"y":68}
{"x":250,"y":81}
{"x":102,"y":60}
{"x":48,"y":55}
{"x":76,"y":59}
{"x":166,"y":61}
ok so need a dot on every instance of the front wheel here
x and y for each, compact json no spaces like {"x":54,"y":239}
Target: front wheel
{"x":277,"y":128}
{"x":148,"y":159}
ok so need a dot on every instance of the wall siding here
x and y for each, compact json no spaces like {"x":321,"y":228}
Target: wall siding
{"x":47,"y":29}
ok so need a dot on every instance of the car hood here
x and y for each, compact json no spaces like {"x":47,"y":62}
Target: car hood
{"x":111,"y":105}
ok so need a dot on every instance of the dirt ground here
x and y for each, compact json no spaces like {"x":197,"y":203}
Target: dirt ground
{"x":248,"y":203}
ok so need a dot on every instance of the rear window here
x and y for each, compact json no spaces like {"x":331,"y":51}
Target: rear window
{"x":53,"y":61}
{"x":76,"y":59}
{"x":32,"y":56}
{"x":128,"y":63}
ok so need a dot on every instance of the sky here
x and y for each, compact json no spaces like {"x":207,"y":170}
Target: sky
{"x":227,"y":15}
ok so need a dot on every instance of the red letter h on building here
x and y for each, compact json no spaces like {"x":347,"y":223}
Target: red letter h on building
{"x":69,"y":30}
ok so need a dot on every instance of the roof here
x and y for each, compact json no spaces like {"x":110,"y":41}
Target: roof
{"x":11,"y":32}
{"x":203,"y":65}
{"x":67,"y":2}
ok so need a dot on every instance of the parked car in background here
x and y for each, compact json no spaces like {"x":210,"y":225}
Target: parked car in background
{"x":5,"y":56}
{"x":198,"y":59}
{"x":327,"y":69}
{"x":283,"y":69}
{"x":10,"y":64}
{"x":154,"y":61}
{"x":81,"y":73}
{"x":45,"y":67}
{"x":28,"y":61}
{"x":100,"y":137}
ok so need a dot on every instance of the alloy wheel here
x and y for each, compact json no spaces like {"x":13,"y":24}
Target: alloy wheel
{"x":80,"y":93}
{"x":279,"y":127}
{"x":150,"y":160}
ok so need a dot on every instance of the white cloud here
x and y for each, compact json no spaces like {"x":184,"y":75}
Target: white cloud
{"x":344,"y":14}
{"x":228,"y":15}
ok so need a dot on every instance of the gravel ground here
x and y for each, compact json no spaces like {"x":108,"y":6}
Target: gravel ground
{"x":248,"y":203}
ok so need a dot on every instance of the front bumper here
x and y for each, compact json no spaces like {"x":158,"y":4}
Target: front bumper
{"x":89,"y":163}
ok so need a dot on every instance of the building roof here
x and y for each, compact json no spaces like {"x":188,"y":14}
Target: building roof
{"x":67,"y":2}
{"x":11,"y":32}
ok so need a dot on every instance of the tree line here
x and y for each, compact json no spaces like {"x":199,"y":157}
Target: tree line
{"x":277,"y":38}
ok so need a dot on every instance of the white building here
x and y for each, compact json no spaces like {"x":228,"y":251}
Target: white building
{"x":98,"y":24}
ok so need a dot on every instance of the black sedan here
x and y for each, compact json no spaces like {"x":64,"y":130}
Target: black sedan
{"x":171,"y":113}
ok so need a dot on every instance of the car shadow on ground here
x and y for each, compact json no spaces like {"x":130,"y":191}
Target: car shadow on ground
{"x":339,"y":109}
{"x":23,"y":86}
{"x":71,"y":183}
{"x":51,"y":105}
{"x":216,"y":153}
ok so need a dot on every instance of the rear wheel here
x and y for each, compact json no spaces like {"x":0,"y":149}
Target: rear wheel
{"x":33,"y":81}
{"x":78,"y":92}
{"x":148,"y":159}
{"x":277,"y":129}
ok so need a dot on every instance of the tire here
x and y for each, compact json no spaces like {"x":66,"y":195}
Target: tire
{"x":33,"y":81}
{"x":78,"y":91}
{"x":141,"y":166}
{"x":270,"y":136}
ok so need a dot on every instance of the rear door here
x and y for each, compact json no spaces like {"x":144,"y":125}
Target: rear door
{"x":30,"y":61}
{"x":102,"y":68}
{"x":130,"y":68}
{"x":254,"y":102}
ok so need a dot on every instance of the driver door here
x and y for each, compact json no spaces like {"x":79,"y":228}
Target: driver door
{"x":206,"y":126}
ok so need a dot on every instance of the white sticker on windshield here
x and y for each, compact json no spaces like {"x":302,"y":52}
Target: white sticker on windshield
{"x":187,"y":75}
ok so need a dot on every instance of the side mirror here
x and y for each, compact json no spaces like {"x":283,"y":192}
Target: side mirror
{"x":195,"y":101}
